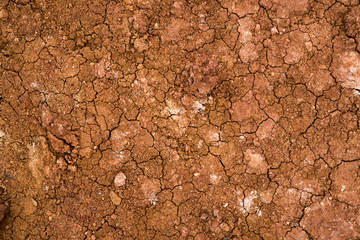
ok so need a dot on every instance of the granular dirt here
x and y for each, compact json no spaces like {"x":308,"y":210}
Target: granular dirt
{"x":152,"y":119}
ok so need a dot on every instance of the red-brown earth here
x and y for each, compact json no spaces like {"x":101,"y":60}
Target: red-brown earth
{"x":149,"y":119}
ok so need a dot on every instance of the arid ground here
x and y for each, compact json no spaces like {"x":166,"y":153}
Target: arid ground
{"x":180,"y":119}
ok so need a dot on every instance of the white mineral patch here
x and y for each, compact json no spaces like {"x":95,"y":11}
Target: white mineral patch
{"x":198,"y":107}
{"x":346,"y":69}
{"x":214,"y":179}
{"x":248,"y":202}
{"x":152,"y":198}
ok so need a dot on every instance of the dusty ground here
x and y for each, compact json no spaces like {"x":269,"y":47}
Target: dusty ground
{"x":152,"y":119}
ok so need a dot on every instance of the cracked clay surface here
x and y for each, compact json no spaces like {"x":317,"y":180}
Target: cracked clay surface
{"x":180,"y":119}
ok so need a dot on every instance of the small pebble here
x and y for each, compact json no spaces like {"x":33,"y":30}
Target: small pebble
{"x":2,"y":134}
{"x":34,"y":202}
{"x":120,"y":179}
{"x":115,"y":199}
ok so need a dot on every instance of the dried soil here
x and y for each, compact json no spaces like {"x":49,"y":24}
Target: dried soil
{"x":152,"y":119}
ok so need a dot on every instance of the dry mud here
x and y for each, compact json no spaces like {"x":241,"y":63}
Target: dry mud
{"x":151,"y":119}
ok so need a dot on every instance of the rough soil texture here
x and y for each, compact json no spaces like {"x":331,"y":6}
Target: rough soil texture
{"x":4,"y":210}
{"x":153,"y":119}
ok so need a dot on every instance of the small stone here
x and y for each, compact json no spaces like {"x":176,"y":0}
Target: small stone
{"x":274,"y":30}
{"x":2,"y":134}
{"x":204,"y":217}
{"x":225,"y":227}
{"x":115,"y":199}
{"x":101,"y":68}
{"x":34,"y":202}
{"x":61,"y":163}
{"x":4,"y":210}
{"x":120,"y":179}
{"x":308,"y":46}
